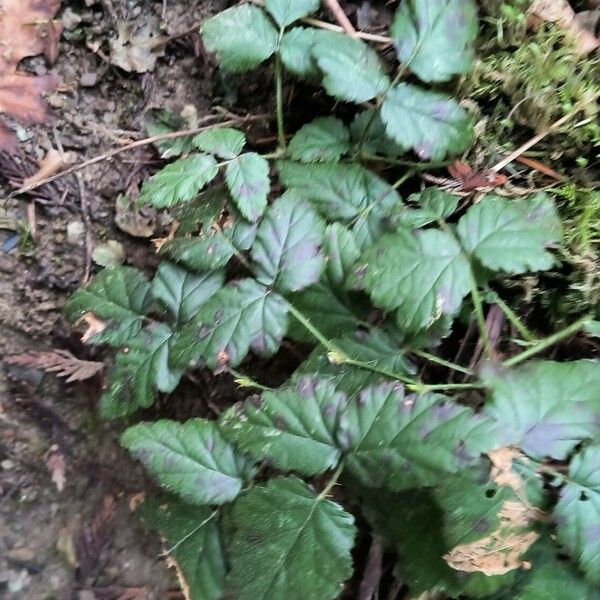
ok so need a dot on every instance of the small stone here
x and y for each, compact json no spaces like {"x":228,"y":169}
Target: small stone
{"x":7,"y":464}
{"x":70,"y":19}
{"x":88,"y":79}
{"x":75,"y":231}
{"x":56,"y":101}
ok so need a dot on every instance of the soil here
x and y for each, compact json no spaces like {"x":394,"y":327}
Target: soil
{"x":81,"y":542}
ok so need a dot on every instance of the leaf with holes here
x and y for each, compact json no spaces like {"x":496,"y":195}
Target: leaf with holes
{"x":577,"y":513}
{"x":241,"y":316}
{"x":288,"y":242}
{"x":512,"y":236}
{"x":182,"y":293}
{"x":242,"y":37}
{"x":325,"y":139}
{"x":179,"y":182}
{"x":434,"y":38}
{"x":289,"y":543}
{"x":224,"y":142}
{"x":192,"y":540}
{"x":285,"y":12}
{"x":400,"y":441}
{"x":120,"y":296}
{"x":422,"y":276}
{"x":294,"y":427}
{"x":190,"y":459}
{"x":141,"y":369}
{"x":432,"y":124}
{"x":247,"y":178}
{"x":352,"y":70}
{"x":544,"y":407}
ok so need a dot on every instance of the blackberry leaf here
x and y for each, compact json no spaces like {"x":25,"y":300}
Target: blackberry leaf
{"x":224,"y":142}
{"x":247,"y":178}
{"x":285,"y":12}
{"x":325,"y":139}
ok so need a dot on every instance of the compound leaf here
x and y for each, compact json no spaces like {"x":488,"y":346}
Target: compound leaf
{"x":140,"y":370}
{"x":578,"y":512}
{"x":545,"y":407}
{"x":511,"y":236}
{"x":224,"y":142}
{"x":422,"y":275}
{"x":190,"y":459}
{"x":182,"y":293}
{"x":241,"y":316}
{"x":401,"y":441}
{"x":432,"y":124}
{"x":294,"y":427}
{"x":192,"y":540}
{"x":242,"y":37}
{"x":247,"y":178}
{"x":288,"y":242}
{"x":289,"y":543}
{"x":296,"y":51}
{"x":120,"y":296}
{"x":352,"y":70}
{"x":434,"y":37}
{"x":285,"y":12}
{"x":324,"y":139}
{"x":179,"y":181}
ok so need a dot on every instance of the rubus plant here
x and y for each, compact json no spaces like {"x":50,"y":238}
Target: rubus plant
{"x":487,"y":487}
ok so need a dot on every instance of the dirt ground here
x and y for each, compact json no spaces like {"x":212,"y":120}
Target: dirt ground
{"x":81,"y":542}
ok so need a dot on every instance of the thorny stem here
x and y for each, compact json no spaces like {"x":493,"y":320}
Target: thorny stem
{"x":245,"y":381}
{"x":547,"y":342}
{"x":514,"y":319}
{"x":444,"y":363}
{"x":331,"y":482}
{"x":279,"y":100}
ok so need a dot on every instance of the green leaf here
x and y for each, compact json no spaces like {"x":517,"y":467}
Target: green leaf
{"x":352,"y":70}
{"x":289,"y":543}
{"x":190,"y":459}
{"x":401,"y":441}
{"x":200,"y":213}
{"x":430,"y":123}
{"x":120,"y":296}
{"x":247,"y":178}
{"x":241,"y":316}
{"x":324,"y":139}
{"x":511,"y":236}
{"x":179,"y":182}
{"x":544,"y":407}
{"x":434,"y":37}
{"x":296,"y":51}
{"x":285,"y":12}
{"x":433,"y":203}
{"x":577,"y":513}
{"x":338,"y":191}
{"x":224,"y":142}
{"x":341,"y":251}
{"x":139,"y":371}
{"x":193,"y":541}
{"x":242,"y":37}
{"x":288,"y":242}
{"x":294,"y":427}
{"x":159,"y":122}
{"x":592,"y":328}
{"x":423,"y":276}
{"x":375,"y":140}
{"x":182,"y":293}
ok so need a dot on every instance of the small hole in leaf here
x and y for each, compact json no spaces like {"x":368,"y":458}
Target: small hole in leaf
{"x":490,"y":492}
{"x":583,"y":497}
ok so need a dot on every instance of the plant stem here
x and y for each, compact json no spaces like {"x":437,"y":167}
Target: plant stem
{"x":479,"y":315}
{"x":404,"y":163}
{"x":444,"y":363}
{"x":245,"y":381}
{"x":514,"y":319}
{"x":547,"y":342}
{"x":331,"y":482}
{"x":448,"y":386}
{"x":279,"y":101}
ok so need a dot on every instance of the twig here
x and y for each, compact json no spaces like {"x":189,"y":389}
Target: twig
{"x":340,"y":16}
{"x":363,"y":35}
{"x":145,"y":142}
{"x":85,"y":215}
{"x":539,"y":137}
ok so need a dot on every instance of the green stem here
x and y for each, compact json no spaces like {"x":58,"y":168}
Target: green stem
{"x":404,"y":163}
{"x":548,"y":342}
{"x":479,"y":315}
{"x":444,"y":363}
{"x":331,"y":482}
{"x":449,"y":386}
{"x":279,"y":101}
{"x":245,"y":381}
{"x":514,"y":319}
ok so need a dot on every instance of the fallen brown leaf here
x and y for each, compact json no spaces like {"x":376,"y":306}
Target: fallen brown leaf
{"x":60,"y":362}
{"x":94,"y":326}
{"x":27,"y":28}
{"x":52,"y":163}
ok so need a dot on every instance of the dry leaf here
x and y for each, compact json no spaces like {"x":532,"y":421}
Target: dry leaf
{"x":471,"y":180}
{"x":66,"y":546}
{"x":52,"y":163}
{"x":138,"y":222}
{"x":55,"y":462}
{"x":562,"y":13}
{"x":94,"y":326}
{"x":110,"y":254}
{"x":135,"y":53}
{"x":60,"y":362}
{"x":27,"y":28}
